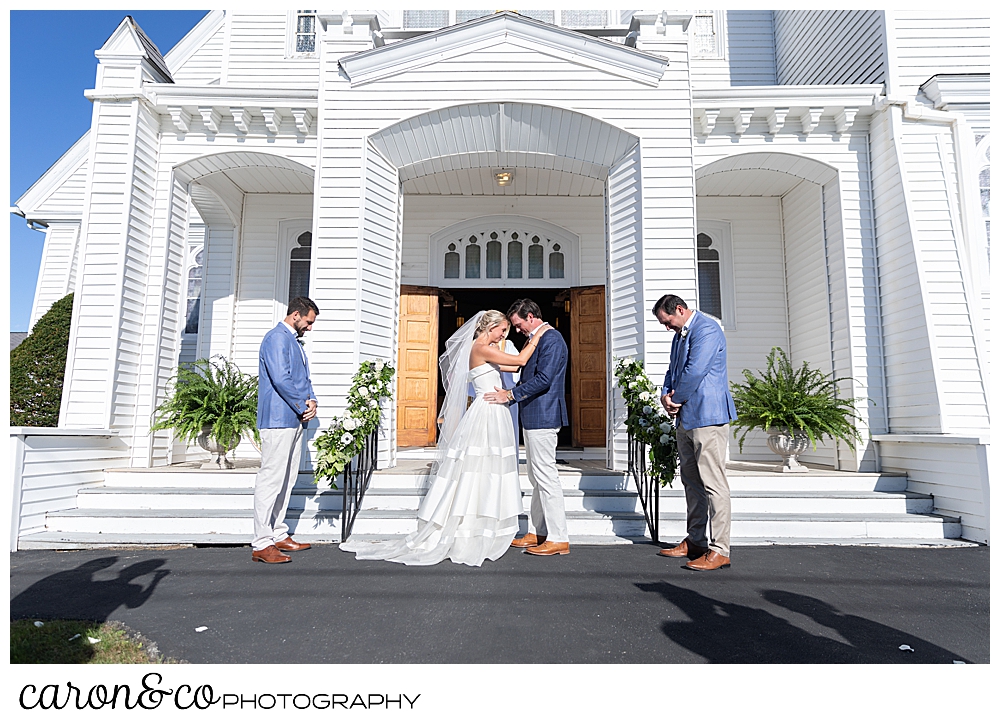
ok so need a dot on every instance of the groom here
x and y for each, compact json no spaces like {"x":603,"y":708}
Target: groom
{"x":542,"y":400}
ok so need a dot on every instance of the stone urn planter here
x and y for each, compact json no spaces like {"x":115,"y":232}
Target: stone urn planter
{"x":789,"y":445}
{"x":209,"y":443}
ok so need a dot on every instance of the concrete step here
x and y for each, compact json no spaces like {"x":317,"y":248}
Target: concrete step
{"x":61,"y":540}
{"x":825,"y":526}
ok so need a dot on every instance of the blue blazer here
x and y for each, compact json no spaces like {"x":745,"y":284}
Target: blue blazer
{"x":283,"y":384}
{"x":541,"y":393}
{"x":698,"y":375}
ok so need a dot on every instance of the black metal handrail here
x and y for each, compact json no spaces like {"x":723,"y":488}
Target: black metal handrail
{"x":357,"y":476}
{"x":649,"y":489}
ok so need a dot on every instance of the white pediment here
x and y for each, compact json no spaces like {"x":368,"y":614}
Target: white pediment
{"x":503,"y":28}
{"x":124,"y":42}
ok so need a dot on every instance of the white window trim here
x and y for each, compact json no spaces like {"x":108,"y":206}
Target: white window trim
{"x":722,"y":233}
{"x":569,"y":244}
{"x":721,"y":46}
{"x":192,"y":254}
{"x":291,"y":32}
{"x":288,"y":231}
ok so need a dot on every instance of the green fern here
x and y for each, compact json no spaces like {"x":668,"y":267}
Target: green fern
{"x":210,"y":393}
{"x":789,"y":399}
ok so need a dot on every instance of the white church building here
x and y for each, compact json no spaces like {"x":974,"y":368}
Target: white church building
{"x":817,"y":180}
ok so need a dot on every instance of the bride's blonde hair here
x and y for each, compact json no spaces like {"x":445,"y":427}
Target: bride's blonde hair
{"x":489,"y":320}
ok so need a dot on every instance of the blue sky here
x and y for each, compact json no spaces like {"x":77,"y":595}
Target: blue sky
{"x":48,"y":112}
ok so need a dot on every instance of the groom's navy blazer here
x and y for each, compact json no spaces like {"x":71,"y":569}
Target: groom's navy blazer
{"x":698,"y":375}
{"x":541,"y":393}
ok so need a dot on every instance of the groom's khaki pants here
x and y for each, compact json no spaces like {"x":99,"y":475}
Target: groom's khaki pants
{"x":548,"y":511}
{"x":702,"y":453}
{"x":280,"y":449}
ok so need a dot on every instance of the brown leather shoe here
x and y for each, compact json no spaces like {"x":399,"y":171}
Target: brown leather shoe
{"x":708,"y":562}
{"x":287,"y":544}
{"x":684,"y":550}
{"x":270,"y":555}
{"x":529,"y":540}
{"x":549,"y":548}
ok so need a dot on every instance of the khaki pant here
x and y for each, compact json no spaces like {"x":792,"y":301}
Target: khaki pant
{"x":548,"y":510}
{"x":280,"y":449}
{"x":702,"y":453}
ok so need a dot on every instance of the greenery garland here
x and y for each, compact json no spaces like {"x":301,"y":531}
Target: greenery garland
{"x":346,"y":435}
{"x":647,"y":421}
{"x":791,"y":400}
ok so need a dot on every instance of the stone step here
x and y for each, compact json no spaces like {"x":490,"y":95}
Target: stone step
{"x":860,"y":526}
{"x":61,"y":540}
{"x":605,"y":501}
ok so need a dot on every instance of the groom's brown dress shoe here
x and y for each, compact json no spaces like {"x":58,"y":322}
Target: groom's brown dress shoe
{"x":270,"y":555}
{"x":708,"y":562}
{"x":684,"y":550}
{"x":549,"y":548}
{"x":288,"y":544}
{"x":529,"y":540}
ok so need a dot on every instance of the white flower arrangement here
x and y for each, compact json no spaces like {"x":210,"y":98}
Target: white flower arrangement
{"x":346,"y":435}
{"x":647,"y":423}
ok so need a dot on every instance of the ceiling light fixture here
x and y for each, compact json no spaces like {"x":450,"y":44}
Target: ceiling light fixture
{"x":504,"y":177}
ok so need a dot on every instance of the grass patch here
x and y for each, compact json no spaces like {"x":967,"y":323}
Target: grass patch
{"x":58,"y":642}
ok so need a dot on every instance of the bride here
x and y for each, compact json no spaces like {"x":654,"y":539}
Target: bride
{"x":470,"y":510}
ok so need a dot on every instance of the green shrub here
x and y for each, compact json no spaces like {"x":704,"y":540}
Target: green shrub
{"x":37,"y":368}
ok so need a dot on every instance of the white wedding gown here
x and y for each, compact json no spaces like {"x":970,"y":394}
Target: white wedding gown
{"x":470,"y":510}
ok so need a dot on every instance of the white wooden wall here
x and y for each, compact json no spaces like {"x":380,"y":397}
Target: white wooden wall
{"x":425,"y":215}
{"x":929,"y":42}
{"x":254,"y":53}
{"x":205,"y":64}
{"x":57,"y":270}
{"x":829,"y":46}
{"x":749,"y":56}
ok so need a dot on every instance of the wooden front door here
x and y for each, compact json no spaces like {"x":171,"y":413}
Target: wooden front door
{"x":416,"y":419}
{"x":588,"y":367}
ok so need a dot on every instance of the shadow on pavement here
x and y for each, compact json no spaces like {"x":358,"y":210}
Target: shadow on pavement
{"x":731,"y":633}
{"x":75,"y":594}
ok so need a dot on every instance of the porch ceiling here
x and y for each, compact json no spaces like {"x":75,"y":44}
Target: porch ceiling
{"x":275,"y":181}
{"x":747,"y":182}
{"x":527,"y":182}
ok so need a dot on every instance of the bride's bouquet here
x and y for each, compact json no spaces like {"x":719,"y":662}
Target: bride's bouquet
{"x":647,"y":421}
{"x":344,"y":438}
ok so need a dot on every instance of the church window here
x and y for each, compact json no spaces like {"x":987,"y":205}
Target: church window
{"x":305,"y":32}
{"x":472,"y":258}
{"x":494,"y":266}
{"x":194,"y":278}
{"x":462,"y":16}
{"x":515,"y":257}
{"x":452,"y":261}
{"x":536,"y":259}
{"x":583,"y":18}
{"x":709,"y":277}
{"x":707,"y":32}
{"x":983,"y":153}
{"x":299,"y":263}
{"x":424,"y":19}
{"x":557,"y":266}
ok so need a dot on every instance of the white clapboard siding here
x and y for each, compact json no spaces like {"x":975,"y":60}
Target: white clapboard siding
{"x":930,"y":42}
{"x":256,"y":58}
{"x":749,"y":53}
{"x":258,"y":307}
{"x":761,"y":310}
{"x":625,"y":285}
{"x":54,"y":464}
{"x":66,"y":199}
{"x":379,"y":280}
{"x":829,"y":46}
{"x":204,"y":65}
{"x":56,"y":274}
{"x":929,"y":167}
{"x":426,"y":215}
{"x":955,"y":474}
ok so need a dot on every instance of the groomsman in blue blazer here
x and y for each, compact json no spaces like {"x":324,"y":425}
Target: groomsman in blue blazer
{"x":285,"y":403}
{"x":696,"y":393}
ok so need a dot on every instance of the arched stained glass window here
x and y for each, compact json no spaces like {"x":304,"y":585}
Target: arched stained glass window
{"x":709,"y":277}
{"x":515,"y":257}
{"x":299,"y":264}
{"x":473,"y":259}
{"x":452,"y":263}
{"x":494,"y":264}
{"x":557,"y":263}
{"x":194,"y":294}
{"x":536,"y":259}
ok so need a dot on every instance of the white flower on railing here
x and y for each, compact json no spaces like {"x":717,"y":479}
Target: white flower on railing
{"x":346,"y":439}
{"x":665,"y":426}
{"x":350,"y":424}
{"x":664,"y":438}
{"x":363,"y":391}
{"x":647,"y":410}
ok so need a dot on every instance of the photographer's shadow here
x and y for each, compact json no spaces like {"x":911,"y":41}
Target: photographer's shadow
{"x":75,"y":594}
